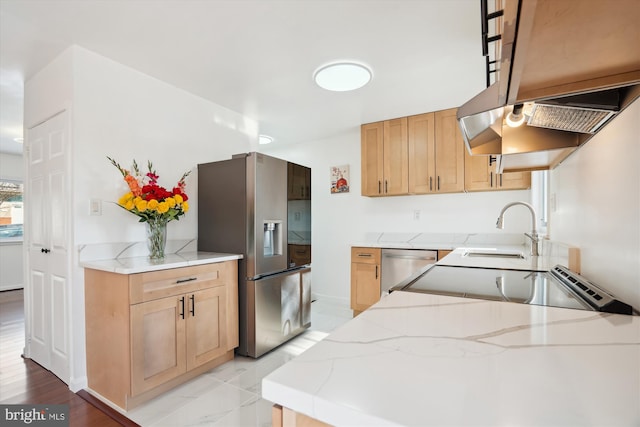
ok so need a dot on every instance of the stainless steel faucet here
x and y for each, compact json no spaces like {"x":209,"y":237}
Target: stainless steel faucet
{"x":535,"y":239}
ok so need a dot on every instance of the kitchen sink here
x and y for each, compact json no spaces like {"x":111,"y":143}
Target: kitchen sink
{"x":493,"y":253}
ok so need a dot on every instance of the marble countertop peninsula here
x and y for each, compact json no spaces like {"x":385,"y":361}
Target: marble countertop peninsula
{"x":428,"y":360}
{"x":142,"y":264}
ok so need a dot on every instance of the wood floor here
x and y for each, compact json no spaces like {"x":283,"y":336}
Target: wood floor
{"x":23,"y":381}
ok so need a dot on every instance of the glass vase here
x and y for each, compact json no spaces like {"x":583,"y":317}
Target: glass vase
{"x":156,"y":238}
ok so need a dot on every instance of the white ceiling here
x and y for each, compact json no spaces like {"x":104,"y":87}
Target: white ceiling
{"x":257,"y":57}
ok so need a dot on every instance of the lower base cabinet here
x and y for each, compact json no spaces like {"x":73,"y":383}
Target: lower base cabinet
{"x":365,"y":278}
{"x":285,"y":417}
{"x":366,"y":271}
{"x":148,"y":332}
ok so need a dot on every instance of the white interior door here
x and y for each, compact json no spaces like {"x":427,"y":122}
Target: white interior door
{"x":47,"y":197}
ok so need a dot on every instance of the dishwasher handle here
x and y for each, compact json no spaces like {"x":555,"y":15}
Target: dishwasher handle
{"x":426,"y":258}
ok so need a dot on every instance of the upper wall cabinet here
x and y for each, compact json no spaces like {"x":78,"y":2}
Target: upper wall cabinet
{"x":419,"y":154}
{"x":449,"y":153}
{"x":480,"y":175}
{"x":385,"y":158}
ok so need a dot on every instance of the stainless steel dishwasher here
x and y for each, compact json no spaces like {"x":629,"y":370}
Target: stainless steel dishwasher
{"x":399,"y":264}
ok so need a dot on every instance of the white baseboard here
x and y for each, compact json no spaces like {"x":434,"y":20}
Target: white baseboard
{"x":77,"y":384}
{"x":330,"y":299}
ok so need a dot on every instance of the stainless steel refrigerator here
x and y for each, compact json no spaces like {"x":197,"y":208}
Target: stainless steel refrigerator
{"x":260,"y":206}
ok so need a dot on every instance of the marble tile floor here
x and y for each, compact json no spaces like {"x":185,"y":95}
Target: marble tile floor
{"x":230,"y":395}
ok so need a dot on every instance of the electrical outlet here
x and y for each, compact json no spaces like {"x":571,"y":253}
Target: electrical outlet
{"x":416,"y":215}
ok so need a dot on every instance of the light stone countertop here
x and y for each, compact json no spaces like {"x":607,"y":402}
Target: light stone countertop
{"x":461,"y":258}
{"x":142,"y":264}
{"x":553,"y":253}
{"x":428,"y":360}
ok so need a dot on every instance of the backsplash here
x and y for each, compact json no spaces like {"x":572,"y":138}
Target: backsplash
{"x":92,"y":252}
{"x":553,"y":252}
{"x":445,"y":240}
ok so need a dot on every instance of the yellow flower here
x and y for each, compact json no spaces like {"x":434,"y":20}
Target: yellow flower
{"x":185,"y":207}
{"x":141,"y":205}
{"x":163,"y":207}
{"x":129,"y":205}
{"x":125,"y":198}
{"x":171,"y":201}
{"x":178,"y":198}
{"x":152,"y":204}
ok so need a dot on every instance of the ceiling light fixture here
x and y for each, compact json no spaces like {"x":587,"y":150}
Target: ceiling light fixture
{"x":264,"y":139}
{"x":342,"y":76}
{"x":516,"y":117}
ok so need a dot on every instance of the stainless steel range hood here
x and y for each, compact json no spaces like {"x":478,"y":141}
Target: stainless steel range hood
{"x":570,"y":70}
{"x":483,"y":121}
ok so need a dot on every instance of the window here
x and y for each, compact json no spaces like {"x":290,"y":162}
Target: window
{"x":11,"y":210}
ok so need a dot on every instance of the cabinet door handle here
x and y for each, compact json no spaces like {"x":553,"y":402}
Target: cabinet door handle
{"x":364,"y":255}
{"x":182,"y":307}
{"x":376,"y":271}
{"x":190,"y":279}
{"x":45,"y":251}
{"x":386,"y":186}
{"x":430,"y":183}
{"x":193,"y":305}
{"x":500,"y":180}
{"x":491,"y":175}
{"x":438,"y":182}
{"x":379,"y":186}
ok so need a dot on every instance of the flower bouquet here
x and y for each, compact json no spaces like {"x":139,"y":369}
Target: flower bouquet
{"x":153,"y":204}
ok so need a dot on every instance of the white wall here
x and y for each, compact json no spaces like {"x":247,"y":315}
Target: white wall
{"x":597,"y":198}
{"x":124,"y":114}
{"x":342,"y":220}
{"x":11,"y":166}
{"x":11,"y":256}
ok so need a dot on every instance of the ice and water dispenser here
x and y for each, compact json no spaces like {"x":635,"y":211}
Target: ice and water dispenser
{"x":272,"y":237}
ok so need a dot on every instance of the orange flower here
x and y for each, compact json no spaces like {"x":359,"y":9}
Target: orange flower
{"x":133,"y":185}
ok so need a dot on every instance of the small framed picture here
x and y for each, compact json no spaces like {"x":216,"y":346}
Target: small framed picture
{"x":339,"y":179}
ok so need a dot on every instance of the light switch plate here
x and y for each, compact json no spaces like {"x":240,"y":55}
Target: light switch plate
{"x":95,"y":207}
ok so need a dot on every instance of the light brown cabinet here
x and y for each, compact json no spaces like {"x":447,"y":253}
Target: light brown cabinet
{"x":443,"y":253}
{"x":419,"y":154}
{"x":480,"y":175}
{"x":436,"y":153}
{"x":365,"y":278}
{"x":385,"y":158}
{"x":148,"y":332}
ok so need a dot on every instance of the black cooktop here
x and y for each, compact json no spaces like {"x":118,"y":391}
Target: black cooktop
{"x":558,"y":288}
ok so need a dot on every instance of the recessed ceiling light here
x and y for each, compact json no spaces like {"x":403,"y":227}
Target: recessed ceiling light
{"x":264,"y":139}
{"x":342,"y":76}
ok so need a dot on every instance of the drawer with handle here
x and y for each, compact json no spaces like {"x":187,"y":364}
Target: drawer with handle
{"x":365,"y":255}
{"x":160,"y":284}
